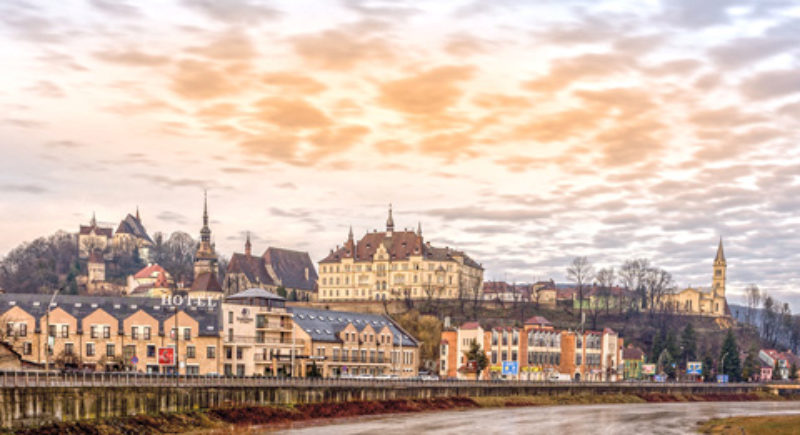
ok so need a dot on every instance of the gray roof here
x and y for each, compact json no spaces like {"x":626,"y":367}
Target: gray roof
{"x":255,"y":293}
{"x":324,"y":325}
{"x":290,"y":267}
{"x":119,"y":307}
{"x":132,"y":225}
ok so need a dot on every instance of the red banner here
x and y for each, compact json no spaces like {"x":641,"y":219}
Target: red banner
{"x":166,"y":356}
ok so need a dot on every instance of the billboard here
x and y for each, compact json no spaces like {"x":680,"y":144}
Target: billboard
{"x":694,"y":368}
{"x":510,"y":367}
{"x":722,"y":379}
{"x":166,"y":356}
{"x":648,"y":369}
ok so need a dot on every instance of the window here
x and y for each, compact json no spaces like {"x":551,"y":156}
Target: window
{"x":578,"y":359}
{"x":110,"y":349}
{"x":93,"y":331}
{"x":192,"y":370}
{"x":187,"y":334}
{"x":27,"y":348}
{"x":494,"y":357}
{"x":69,"y":348}
{"x":151,"y":351}
{"x":238,"y":353}
{"x":23,"y":329}
{"x":228,"y":352}
{"x":9,"y":329}
{"x":64,"y":331}
{"x":190,"y":352}
{"x":230,"y":334}
{"x":230,"y":316}
{"x":146,"y":333}
{"x":134,"y":332}
{"x":211,"y":352}
{"x":239,"y":369}
{"x":106,"y":332}
{"x":52,"y":330}
{"x":89,"y":349}
{"x":228,"y":370}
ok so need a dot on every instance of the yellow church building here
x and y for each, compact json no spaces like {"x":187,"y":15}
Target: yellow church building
{"x":702,"y":302}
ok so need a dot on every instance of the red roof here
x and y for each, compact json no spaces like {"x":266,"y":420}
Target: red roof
{"x":471,"y":325}
{"x":151,"y":271}
{"x":537,"y":320}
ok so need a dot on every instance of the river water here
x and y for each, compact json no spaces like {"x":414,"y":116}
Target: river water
{"x":639,"y":419}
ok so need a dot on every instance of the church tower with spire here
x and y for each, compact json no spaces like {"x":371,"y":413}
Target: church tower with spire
{"x":390,"y":223}
{"x":720,"y":270}
{"x":205,"y":259}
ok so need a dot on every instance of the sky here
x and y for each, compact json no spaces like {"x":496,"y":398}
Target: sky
{"x":524,"y":133}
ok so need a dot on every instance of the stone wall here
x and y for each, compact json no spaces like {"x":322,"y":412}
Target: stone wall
{"x":38,"y":405}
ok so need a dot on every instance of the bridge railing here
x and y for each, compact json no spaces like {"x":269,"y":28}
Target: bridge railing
{"x":12,"y":379}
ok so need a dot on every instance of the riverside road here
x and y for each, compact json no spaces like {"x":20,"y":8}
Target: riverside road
{"x":639,"y":419}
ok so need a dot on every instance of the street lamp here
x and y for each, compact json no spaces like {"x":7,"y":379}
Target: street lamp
{"x":722,"y":363}
{"x":47,"y":330}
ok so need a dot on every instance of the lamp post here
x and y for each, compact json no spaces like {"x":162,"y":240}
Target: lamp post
{"x":47,"y":330}
{"x":722,"y":363}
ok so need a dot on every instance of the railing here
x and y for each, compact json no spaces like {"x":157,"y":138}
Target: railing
{"x":122,"y":379}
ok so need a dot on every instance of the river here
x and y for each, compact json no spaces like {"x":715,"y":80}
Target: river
{"x":640,"y":419}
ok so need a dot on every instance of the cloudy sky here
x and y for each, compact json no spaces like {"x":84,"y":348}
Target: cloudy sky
{"x":523,"y":132}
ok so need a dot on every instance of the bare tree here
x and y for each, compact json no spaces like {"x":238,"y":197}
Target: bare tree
{"x":753,"y":295}
{"x":606,"y":278}
{"x":632,"y":276}
{"x":769,"y":320}
{"x":657,"y":283}
{"x":580,"y":272}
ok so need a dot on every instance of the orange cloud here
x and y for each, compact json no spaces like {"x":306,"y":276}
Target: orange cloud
{"x":201,"y":80}
{"x":334,"y":140}
{"x":429,"y":93}
{"x":294,"y":82}
{"x":291,"y":113}
{"x":131,"y":57}
{"x":564,"y":72}
{"x":338,"y":49}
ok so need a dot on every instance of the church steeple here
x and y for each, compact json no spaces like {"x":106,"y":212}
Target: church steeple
{"x":350,"y":234}
{"x":248,"y":246}
{"x":137,"y":214}
{"x":720,"y":253}
{"x":419,"y":229}
{"x":93,"y":222}
{"x":390,"y":221}
{"x":720,"y":272}
{"x":205,"y":232}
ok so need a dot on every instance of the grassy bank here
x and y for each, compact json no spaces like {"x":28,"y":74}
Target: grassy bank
{"x":227,"y":417}
{"x":768,"y":424}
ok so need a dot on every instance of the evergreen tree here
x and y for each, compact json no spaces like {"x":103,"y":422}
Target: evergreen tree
{"x":689,"y":343}
{"x":282,"y":291}
{"x":708,"y":364}
{"x":729,"y":358}
{"x":671,"y":345}
{"x":475,"y":353}
{"x":776,"y":372}
{"x":751,"y":366}
{"x":657,"y":347}
{"x":793,"y":372}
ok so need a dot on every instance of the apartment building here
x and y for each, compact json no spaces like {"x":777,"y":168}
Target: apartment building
{"x":339,"y":343}
{"x":539,"y":349}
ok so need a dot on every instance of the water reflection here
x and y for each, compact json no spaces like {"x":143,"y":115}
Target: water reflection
{"x":662,"y":418}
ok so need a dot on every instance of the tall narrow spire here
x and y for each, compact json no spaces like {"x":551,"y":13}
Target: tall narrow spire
{"x":390,"y":221}
{"x":248,"y":246}
{"x":93,"y":222}
{"x":205,"y":232}
{"x":350,"y":234}
{"x":137,"y":213}
{"x":419,"y":228}
{"x":720,"y":253}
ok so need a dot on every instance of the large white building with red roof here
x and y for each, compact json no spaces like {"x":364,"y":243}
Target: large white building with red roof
{"x":391,"y":265}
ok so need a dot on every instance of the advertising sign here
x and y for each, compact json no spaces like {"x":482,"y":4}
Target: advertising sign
{"x":166,"y":356}
{"x":648,"y":369}
{"x":660,"y":378}
{"x":722,"y":379}
{"x":694,"y":368}
{"x":510,"y":367}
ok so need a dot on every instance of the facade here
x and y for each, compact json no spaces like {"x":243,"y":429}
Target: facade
{"x":539,"y":349}
{"x":92,"y":238}
{"x":632,"y":359}
{"x":769,"y":357}
{"x":251,"y":333}
{"x":340,"y":343}
{"x":132,"y":236}
{"x":111,"y":333}
{"x":699,"y":302}
{"x":396,"y":265}
{"x":276,"y":268}
{"x":152,"y":281}
{"x":258,"y":337}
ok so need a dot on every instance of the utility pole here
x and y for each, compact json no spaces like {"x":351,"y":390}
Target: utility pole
{"x":177,"y":363}
{"x":47,"y":331}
